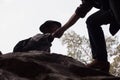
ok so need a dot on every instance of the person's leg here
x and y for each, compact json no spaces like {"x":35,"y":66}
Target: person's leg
{"x":115,"y":7}
{"x":96,"y":35}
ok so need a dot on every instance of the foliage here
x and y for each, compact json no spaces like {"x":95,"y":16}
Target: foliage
{"x":115,"y":65}
{"x":79,"y":48}
{"x":112,"y":44}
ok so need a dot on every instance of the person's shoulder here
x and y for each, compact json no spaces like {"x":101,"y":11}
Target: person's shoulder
{"x":39,"y":34}
{"x":47,"y":34}
{"x":37,"y":37}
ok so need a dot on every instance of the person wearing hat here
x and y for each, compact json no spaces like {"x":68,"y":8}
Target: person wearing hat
{"x":39,"y":42}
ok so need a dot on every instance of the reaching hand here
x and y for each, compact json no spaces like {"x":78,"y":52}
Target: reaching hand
{"x":58,"y":33}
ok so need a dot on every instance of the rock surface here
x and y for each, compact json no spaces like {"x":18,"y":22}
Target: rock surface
{"x":39,"y":65}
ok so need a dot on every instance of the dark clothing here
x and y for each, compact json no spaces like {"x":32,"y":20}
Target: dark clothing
{"x":115,"y":6}
{"x":40,"y":42}
{"x":87,"y":5}
{"x":96,"y":35}
{"x":20,"y":45}
{"x":94,"y":22}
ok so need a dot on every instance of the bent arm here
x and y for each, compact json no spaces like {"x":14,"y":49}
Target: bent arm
{"x":73,"y":19}
{"x":80,"y":12}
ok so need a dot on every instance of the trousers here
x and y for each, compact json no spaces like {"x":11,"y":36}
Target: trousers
{"x":96,"y":34}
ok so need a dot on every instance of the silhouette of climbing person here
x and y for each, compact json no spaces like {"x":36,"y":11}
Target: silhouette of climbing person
{"x":40,"y":42}
{"x":103,"y":16}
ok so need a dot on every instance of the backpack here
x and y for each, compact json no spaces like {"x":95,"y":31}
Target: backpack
{"x":40,"y":42}
{"x":19,"y":46}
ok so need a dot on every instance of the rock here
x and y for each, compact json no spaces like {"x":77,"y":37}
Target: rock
{"x":40,"y":65}
{"x":5,"y":75}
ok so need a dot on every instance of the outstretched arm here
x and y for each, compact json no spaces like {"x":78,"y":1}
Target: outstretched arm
{"x":73,"y":19}
{"x":81,"y":11}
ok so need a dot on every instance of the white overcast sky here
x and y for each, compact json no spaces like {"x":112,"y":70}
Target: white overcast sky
{"x":20,"y":19}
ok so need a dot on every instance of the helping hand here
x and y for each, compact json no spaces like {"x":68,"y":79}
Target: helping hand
{"x":58,"y":33}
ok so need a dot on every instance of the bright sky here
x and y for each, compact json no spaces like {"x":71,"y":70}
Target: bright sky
{"x":20,"y":19}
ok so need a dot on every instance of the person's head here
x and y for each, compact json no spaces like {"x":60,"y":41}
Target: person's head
{"x":49,"y":26}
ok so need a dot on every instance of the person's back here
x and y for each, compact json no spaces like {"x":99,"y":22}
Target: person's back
{"x":40,"y":42}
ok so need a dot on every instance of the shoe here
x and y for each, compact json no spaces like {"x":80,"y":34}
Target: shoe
{"x":99,"y":65}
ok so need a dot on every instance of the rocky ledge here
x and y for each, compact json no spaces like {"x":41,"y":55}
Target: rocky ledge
{"x":39,"y":65}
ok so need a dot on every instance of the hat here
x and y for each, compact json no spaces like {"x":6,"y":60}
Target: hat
{"x":44,"y":27}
